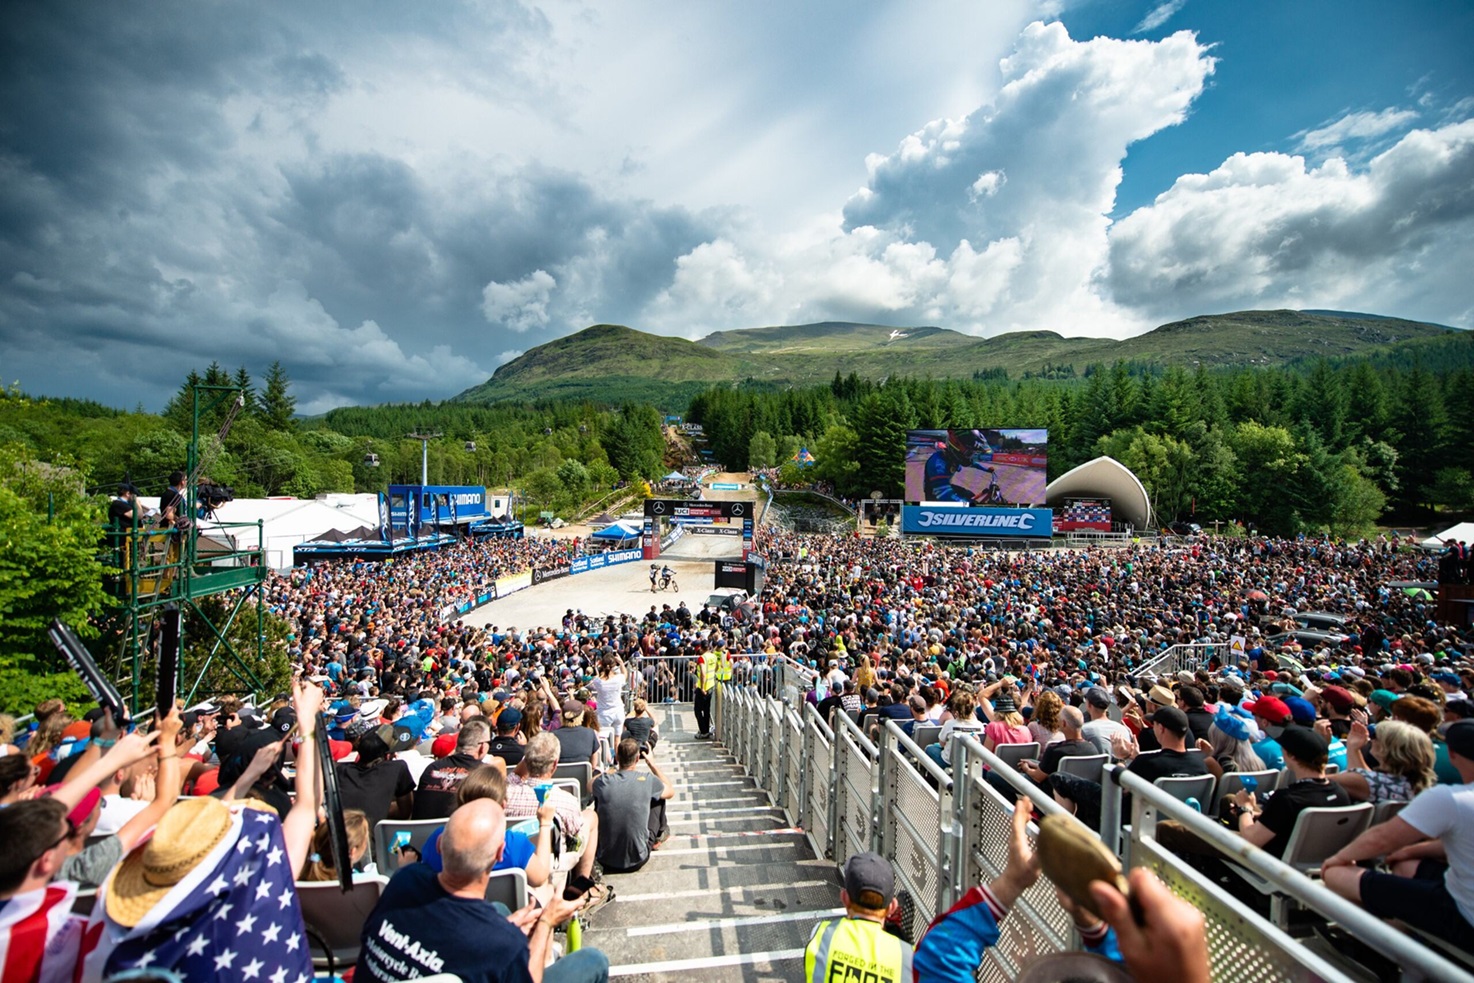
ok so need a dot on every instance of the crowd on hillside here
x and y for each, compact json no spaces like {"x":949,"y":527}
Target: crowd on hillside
{"x":1046,"y":647}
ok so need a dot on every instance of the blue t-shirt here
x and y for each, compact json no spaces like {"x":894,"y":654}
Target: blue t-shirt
{"x":521,"y":845}
{"x":1269,"y":752}
{"x":418,"y":929}
{"x":1337,"y":754}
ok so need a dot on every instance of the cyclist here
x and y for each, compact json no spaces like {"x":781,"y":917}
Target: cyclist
{"x":654,"y":573}
{"x":668,"y":578}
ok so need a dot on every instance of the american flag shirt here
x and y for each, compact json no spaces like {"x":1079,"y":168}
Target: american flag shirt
{"x":234,"y":916}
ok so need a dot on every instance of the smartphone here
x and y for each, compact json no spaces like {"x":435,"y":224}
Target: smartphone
{"x":1249,"y":783}
{"x":401,"y":840}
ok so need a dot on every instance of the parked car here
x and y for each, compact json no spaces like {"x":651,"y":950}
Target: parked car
{"x":1186,"y":528}
{"x":1323,"y":621}
{"x":1308,"y":638}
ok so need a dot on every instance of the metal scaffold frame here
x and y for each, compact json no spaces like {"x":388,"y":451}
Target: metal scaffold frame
{"x":163,"y":568}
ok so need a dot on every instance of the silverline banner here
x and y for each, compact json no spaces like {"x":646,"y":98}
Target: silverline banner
{"x":931,"y":520}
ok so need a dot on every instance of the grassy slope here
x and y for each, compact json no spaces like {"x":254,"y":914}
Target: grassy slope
{"x":611,"y":363}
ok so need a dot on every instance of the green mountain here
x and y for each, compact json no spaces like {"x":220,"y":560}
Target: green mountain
{"x":610,"y":363}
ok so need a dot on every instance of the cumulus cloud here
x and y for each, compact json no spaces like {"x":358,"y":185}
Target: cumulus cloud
{"x":520,"y":305}
{"x":1363,"y":125}
{"x":992,"y":222}
{"x":1265,"y":229}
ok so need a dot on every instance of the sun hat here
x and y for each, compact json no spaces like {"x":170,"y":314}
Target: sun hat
{"x":185,"y":836}
{"x":1161,"y":696}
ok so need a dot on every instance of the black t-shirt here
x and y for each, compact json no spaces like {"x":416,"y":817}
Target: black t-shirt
{"x":373,"y":788}
{"x":1049,"y":764}
{"x":435,"y":796}
{"x":1285,"y":806}
{"x":1168,"y":764}
{"x":1198,"y":722}
{"x":639,"y":730}
{"x":827,"y":706}
{"x":508,"y":748}
{"x":577,"y":743}
{"x":419,"y":929}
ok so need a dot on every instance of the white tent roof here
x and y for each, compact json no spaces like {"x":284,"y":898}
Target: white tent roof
{"x":285,"y":522}
{"x":1463,"y":532}
{"x":1105,"y":477}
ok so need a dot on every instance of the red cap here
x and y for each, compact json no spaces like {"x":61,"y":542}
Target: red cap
{"x":443,"y":746}
{"x":1271,"y":708}
{"x":82,"y":809}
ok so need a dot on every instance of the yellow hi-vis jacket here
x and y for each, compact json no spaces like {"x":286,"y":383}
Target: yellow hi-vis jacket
{"x":844,"y":949}
{"x":724,"y":667}
{"x":706,"y":673}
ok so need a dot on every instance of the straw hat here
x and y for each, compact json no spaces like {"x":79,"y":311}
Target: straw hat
{"x":183,"y":838}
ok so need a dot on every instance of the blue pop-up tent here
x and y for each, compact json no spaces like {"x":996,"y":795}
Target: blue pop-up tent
{"x":618,"y":532}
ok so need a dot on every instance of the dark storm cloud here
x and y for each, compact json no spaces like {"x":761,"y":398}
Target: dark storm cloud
{"x":165,"y":201}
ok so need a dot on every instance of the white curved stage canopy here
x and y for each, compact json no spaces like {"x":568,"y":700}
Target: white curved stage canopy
{"x":1104,"y":477}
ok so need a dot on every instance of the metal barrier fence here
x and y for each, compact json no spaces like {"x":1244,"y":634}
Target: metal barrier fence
{"x":945,"y":830}
{"x":1190,"y":656}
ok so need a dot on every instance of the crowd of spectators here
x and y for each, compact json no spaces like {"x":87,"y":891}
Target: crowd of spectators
{"x":429,"y":717}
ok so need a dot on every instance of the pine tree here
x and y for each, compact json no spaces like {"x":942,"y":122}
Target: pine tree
{"x":278,"y":405}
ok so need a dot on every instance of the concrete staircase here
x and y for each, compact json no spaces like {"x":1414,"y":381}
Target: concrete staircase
{"x":732,"y":895}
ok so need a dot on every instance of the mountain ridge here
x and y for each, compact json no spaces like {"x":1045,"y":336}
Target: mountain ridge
{"x":615,"y":363}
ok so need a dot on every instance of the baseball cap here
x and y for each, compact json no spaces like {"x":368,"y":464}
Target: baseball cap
{"x":1383,"y":698}
{"x":1339,"y":698}
{"x":1304,"y":745}
{"x":509,"y":717}
{"x":1271,"y":708}
{"x":1460,"y":738}
{"x":443,"y":746}
{"x":869,"y":880}
{"x":1097,"y":697}
{"x":1302,"y":711}
{"x":1171,"y":718}
{"x":572,"y":708}
{"x":82,"y":809}
{"x":283,"y":720}
{"x":398,"y":736}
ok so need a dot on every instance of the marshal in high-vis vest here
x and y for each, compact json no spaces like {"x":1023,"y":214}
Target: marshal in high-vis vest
{"x":857,"y":948}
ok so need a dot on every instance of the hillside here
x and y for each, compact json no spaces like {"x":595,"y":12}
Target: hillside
{"x":610,"y":363}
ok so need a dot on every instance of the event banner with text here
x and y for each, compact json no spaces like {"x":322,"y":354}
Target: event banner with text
{"x":976,"y":523}
{"x":977,"y":467}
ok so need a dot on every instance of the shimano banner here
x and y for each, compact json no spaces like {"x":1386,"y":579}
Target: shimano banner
{"x":930,"y":520}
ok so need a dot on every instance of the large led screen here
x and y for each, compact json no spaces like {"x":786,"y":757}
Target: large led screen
{"x":977,"y":467}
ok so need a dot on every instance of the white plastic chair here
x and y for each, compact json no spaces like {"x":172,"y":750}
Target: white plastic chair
{"x":925,"y":734}
{"x":1198,"y":787}
{"x":509,"y":887}
{"x":1318,"y":833}
{"x":1012,"y":754}
{"x":337,"y":918}
{"x":419,"y":831}
{"x":1086,"y":766}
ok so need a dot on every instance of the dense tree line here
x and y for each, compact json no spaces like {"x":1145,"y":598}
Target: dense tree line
{"x":563,"y":451}
{"x":1325,"y":445}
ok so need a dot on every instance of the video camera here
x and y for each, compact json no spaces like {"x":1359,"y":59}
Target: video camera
{"x":212,"y":496}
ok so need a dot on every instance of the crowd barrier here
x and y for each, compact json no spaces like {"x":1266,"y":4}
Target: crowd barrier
{"x":945,"y":830}
{"x":515,"y":582}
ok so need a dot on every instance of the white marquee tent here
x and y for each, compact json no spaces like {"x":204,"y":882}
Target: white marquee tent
{"x":285,"y":522}
{"x":1463,"y":533}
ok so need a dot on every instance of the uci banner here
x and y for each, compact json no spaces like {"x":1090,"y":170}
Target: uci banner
{"x":931,"y":520}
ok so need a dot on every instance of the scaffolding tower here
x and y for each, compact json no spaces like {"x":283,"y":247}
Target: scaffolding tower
{"x":164,"y":568}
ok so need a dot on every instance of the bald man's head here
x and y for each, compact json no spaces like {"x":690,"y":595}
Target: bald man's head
{"x":473,"y":840}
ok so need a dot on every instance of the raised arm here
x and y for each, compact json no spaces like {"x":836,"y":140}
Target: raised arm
{"x":301,"y":819}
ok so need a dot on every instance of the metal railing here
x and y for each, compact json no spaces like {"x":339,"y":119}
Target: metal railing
{"x":1190,"y":656}
{"x":947,"y":829}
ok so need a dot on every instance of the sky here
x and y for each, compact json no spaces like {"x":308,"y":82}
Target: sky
{"x":393,"y":199}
